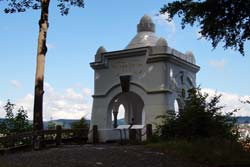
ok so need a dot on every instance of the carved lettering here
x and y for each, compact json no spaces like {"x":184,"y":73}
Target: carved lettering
{"x":121,"y":67}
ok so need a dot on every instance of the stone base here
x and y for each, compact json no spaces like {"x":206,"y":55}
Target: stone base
{"x":109,"y":135}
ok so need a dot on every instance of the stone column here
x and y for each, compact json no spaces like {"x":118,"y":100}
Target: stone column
{"x":115,"y":113}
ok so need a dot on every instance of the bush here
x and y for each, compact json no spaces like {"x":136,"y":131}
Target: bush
{"x":82,"y":123}
{"x":201,"y":118}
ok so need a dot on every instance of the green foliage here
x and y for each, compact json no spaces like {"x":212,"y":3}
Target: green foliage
{"x":79,"y":124}
{"x":14,"y":6}
{"x":12,"y":123}
{"x":219,"y":20}
{"x":201,"y":118}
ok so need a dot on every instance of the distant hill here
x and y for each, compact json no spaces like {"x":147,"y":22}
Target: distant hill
{"x":2,"y":119}
{"x":242,"y":120}
{"x":66,"y":123}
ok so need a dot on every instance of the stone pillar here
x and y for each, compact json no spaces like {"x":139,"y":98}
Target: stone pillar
{"x":149,"y":131}
{"x":58,"y":135}
{"x":115,"y":113}
{"x":95,"y":134}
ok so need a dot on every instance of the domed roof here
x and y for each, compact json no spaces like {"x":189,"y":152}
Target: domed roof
{"x":143,"y":39}
{"x":145,"y":34}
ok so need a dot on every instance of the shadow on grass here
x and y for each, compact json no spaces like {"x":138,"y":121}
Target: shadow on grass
{"x":212,"y":151}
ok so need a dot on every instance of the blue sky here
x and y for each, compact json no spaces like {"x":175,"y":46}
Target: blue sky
{"x":73,"y":40}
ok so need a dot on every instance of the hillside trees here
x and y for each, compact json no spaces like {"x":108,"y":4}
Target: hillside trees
{"x":219,"y":20}
{"x":14,"y":123}
{"x":82,"y":123}
{"x":12,"y":6}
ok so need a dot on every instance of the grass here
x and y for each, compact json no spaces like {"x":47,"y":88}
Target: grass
{"x":211,"y":151}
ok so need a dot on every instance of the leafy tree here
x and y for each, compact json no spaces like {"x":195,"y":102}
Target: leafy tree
{"x":12,"y":123}
{"x":13,"y":6}
{"x":82,"y":123}
{"x":21,"y":122}
{"x":219,"y":20}
{"x":8,"y":123}
{"x":200,"y":118}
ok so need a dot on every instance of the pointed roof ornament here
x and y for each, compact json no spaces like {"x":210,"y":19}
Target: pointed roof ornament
{"x":146,"y":24}
{"x":161,"y":46}
{"x":190,"y":56}
{"x":101,"y":50}
{"x":161,"y":42}
{"x":145,"y":34}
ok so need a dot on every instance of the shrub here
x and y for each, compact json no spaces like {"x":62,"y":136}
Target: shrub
{"x":201,"y":118}
{"x":82,"y":123}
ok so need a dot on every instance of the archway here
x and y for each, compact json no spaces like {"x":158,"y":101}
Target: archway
{"x":133,"y":109}
{"x":120,"y":115}
{"x":178,"y":106}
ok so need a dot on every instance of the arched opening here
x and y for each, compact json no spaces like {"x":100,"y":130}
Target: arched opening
{"x":120,"y":115}
{"x":126,"y":105}
{"x":176,"y":107}
{"x":121,"y":112}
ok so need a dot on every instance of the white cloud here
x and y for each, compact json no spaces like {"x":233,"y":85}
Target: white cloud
{"x":50,"y":46}
{"x":16,"y":84}
{"x":71,"y":95}
{"x":163,"y":20}
{"x":87,"y":91}
{"x":219,"y":64}
{"x":73,"y":104}
{"x":2,"y":113}
{"x":231,"y":101}
{"x":27,"y":103}
{"x":69,"y":104}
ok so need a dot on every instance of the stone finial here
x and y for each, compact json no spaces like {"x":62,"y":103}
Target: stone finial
{"x":190,"y":57}
{"x":161,"y":42}
{"x":161,"y":46}
{"x":146,"y":24}
{"x":99,"y":52}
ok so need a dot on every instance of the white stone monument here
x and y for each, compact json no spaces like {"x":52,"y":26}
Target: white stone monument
{"x":148,"y":78}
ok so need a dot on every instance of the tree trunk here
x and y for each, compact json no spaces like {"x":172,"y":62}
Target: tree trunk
{"x":39,"y":79}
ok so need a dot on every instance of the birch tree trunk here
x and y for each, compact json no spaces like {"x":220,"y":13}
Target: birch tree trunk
{"x":39,"y":79}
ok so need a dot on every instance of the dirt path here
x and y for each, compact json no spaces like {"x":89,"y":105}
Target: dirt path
{"x":90,"y":156}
